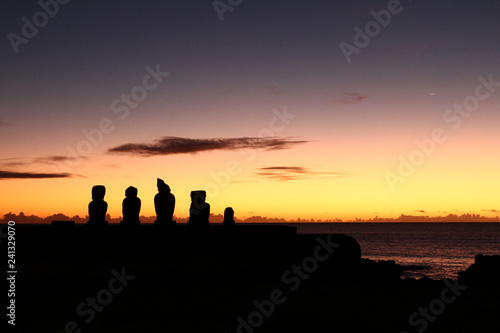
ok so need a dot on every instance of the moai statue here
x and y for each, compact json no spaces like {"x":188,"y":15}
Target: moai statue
{"x":164,"y":204}
{"x":199,"y":211}
{"x":131,"y":207}
{"x":98,"y":207}
{"x":228,"y":217}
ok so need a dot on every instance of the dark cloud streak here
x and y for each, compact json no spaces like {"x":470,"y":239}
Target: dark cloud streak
{"x":170,"y":145}
{"x":31,"y":175}
{"x":51,"y":159}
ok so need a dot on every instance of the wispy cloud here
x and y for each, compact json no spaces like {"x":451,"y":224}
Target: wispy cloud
{"x":31,"y":175}
{"x":274,"y":90}
{"x":420,"y":211}
{"x":285,"y":173}
{"x":52,"y":159}
{"x":3,"y":124}
{"x":491,"y":210}
{"x":10,"y":168}
{"x":348,"y":98}
{"x":19,"y":162}
{"x":170,"y":145}
{"x":14,"y":164}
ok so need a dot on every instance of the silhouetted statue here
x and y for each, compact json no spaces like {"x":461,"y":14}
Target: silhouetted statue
{"x":199,"y":211}
{"x":98,"y":207}
{"x":131,"y":207}
{"x":228,"y":217}
{"x":164,"y":204}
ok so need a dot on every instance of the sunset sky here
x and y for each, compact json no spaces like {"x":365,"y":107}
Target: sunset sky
{"x":275,"y":108}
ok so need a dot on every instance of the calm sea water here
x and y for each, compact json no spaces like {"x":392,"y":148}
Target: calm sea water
{"x":445,"y":248}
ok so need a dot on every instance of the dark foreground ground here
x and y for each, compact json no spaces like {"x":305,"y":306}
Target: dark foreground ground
{"x":246,"y":279}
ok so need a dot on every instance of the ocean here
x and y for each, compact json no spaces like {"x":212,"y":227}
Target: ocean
{"x":443,"y":248}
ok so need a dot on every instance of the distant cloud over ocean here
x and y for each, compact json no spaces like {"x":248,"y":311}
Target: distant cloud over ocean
{"x":284,"y":173}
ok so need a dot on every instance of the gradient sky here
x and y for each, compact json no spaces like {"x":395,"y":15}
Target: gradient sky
{"x":348,"y":124}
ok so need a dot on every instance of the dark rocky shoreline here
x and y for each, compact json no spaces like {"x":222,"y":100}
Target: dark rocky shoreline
{"x":237,"y":279}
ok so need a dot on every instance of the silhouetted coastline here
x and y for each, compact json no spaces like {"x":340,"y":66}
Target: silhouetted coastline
{"x":215,"y":274}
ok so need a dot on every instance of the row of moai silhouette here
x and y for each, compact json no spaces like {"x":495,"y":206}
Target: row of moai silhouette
{"x":164,"y":200}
